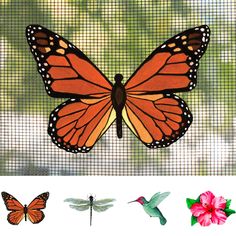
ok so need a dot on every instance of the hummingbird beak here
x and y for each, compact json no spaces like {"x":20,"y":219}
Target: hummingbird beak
{"x":133,"y":201}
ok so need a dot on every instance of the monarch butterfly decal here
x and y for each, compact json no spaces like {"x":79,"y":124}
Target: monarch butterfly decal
{"x":18,"y":211}
{"x":146,"y":102}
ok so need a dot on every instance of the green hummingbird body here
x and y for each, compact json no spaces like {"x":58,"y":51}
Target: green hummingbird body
{"x":154,"y":212}
{"x":150,"y":207}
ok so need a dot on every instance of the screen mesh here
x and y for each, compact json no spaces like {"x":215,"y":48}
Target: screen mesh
{"x":117,"y":36}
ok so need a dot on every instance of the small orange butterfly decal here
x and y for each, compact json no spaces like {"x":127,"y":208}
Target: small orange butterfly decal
{"x":18,"y":211}
{"x":146,"y":102}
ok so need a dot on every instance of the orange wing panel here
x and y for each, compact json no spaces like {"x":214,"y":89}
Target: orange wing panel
{"x":172,"y":67}
{"x":148,"y":69}
{"x":157,"y":123}
{"x":15,"y":217}
{"x":65,"y":70}
{"x":78,"y":124}
{"x":35,"y":216}
{"x":39,"y":202}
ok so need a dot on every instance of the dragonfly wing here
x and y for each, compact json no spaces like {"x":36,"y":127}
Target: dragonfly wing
{"x":76,"y":201}
{"x":100,"y":208}
{"x":104,"y":201}
{"x":157,"y":198}
{"x":80,"y":208}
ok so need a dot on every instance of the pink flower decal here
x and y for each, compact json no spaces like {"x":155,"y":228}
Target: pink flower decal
{"x":207,"y":209}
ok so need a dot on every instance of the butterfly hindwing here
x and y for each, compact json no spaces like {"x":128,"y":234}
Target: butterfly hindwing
{"x":66,"y":71}
{"x":157,"y":120}
{"x":15,"y":217}
{"x":172,"y":67}
{"x":77,"y":124}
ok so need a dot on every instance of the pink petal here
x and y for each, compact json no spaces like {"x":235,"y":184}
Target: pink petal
{"x":206,"y":198}
{"x":218,"y":217}
{"x":204,"y":219}
{"x":197,"y":209}
{"x":219,"y":203}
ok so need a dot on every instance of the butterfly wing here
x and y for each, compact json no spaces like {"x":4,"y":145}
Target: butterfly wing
{"x":34,"y":213}
{"x":16,"y":208}
{"x":65,"y":70}
{"x":157,"y":120}
{"x":172,"y":67}
{"x":77,"y":124}
{"x":152,"y":112}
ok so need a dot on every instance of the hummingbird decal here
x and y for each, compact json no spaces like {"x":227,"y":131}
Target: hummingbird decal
{"x":150,"y":207}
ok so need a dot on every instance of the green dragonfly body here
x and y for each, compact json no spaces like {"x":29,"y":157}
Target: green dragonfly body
{"x":91,"y":204}
{"x":150,"y":207}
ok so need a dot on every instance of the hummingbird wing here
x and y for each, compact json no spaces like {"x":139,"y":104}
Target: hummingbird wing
{"x":157,"y":198}
{"x":100,"y":208}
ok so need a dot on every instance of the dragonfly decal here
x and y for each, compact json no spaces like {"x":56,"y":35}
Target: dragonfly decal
{"x":91,"y":204}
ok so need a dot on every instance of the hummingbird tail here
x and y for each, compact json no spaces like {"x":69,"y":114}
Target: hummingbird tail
{"x":163,"y":220}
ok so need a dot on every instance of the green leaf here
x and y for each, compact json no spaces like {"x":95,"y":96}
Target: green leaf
{"x":193,"y":220}
{"x":228,"y":202}
{"x":190,"y":201}
{"x":229,"y":212}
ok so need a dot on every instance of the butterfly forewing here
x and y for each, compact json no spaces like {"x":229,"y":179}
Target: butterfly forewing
{"x":12,"y":204}
{"x":172,"y":67}
{"x":39,"y":202}
{"x":65,"y":70}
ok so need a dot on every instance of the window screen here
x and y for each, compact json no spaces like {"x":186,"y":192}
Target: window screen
{"x":117,"y":36}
